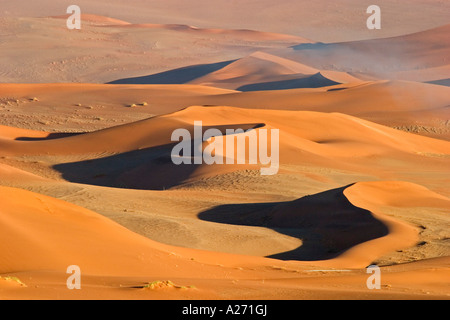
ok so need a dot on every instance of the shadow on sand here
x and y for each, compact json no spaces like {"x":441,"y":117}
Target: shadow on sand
{"x":176,"y":76}
{"x":327,"y":223}
{"x":144,"y":169}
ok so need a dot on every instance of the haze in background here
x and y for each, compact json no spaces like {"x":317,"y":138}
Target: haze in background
{"x":326,"y":21}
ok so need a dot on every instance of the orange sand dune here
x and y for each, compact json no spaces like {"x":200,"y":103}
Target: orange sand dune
{"x":106,"y":49}
{"x":261,"y":68}
{"x":9,"y":174}
{"x":96,"y":19}
{"x":14,"y":133}
{"x":49,"y":235}
{"x":305,"y":125}
{"x":379,"y":197}
{"x":408,"y":55}
{"x":340,"y":224}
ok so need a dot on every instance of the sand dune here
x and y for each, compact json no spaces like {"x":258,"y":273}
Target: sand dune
{"x":244,"y":34}
{"x":157,"y":131}
{"x":404,"y":57}
{"x":141,"y":148}
{"x":322,"y":222}
{"x":348,"y":226}
{"x":130,"y":261}
{"x":309,"y":19}
{"x":414,"y":107}
{"x":415,"y":57}
{"x":96,"y":19}
{"x":315,"y":81}
{"x":256,"y":68}
{"x":258,"y":71}
{"x":89,"y":157}
{"x":106,"y":49}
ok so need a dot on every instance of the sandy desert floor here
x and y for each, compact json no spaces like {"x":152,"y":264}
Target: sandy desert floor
{"x":86,"y":177}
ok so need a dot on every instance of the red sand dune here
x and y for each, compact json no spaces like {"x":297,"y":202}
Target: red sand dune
{"x":105,"y":250}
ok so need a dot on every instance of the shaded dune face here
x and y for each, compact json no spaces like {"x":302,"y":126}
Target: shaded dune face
{"x":327,"y":223}
{"x":91,"y":125}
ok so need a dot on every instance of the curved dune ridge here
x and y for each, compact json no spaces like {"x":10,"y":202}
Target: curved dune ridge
{"x":414,"y":57}
{"x":410,"y":106}
{"x":379,"y":197}
{"x":39,"y":233}
{"x":285,"y":17}
{"x":42,"y":233}
{"x":349,"y":166}
{"x":265,"y":71}
{"x":306,"y":126}
{"x":41,"y":236}
{"x":106,"y":49}
{"x":250,"y":34}
{"x":243,"y":33}
{"x":258,"y":71}
{"x":130,"y":154}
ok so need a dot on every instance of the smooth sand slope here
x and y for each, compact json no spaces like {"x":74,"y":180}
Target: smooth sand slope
{"x":106,"y":49}
{"x":323,"y":20}
{"x":421,"y":57}
{"x":137,"y":156}
{"x":409,"y":106}
{"x":115,"y":261}
{"x":263,"y":71}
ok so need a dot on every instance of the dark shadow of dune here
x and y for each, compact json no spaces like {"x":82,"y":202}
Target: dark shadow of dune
{"x":176,"y":76}
{"x":336,"y":89}
{"x":51,"y":136}
{"x":144,"y":169}
{"x":442,"y":82}
{"x":315,"y":81}
{"x":327,"y":223}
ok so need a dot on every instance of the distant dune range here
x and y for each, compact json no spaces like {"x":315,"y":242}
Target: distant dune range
{"x":106,"y":49}
{"x":419,"y":57}
{"x":118,"y":264}
{"x":326,"y":20}
{"x":137,"y":155}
